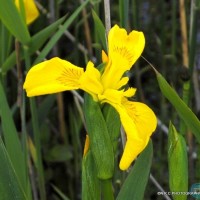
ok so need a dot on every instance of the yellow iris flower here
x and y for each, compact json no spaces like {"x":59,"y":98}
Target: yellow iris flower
{"x":30,"y":8}
{"x":57,"y":75}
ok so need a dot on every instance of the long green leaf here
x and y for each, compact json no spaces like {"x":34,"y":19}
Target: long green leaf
{"x":182,"y":109}
{"x":124,"y":13}
{"x":13,"y":21}
{"x":10,"y":186}
{"x":135,"y":184}
{"x":12,"y":142}
{"x":100,"y":141}
{"x":90,"y":183}
{"x":59,"y":33}
{"x":178,"y":163}
{"x":35,"y":43}
{"x":100,"y":29}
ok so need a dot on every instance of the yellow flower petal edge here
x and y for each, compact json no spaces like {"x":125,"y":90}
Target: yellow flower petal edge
{"x":31,"y":10}
{"x":55,"y":75}
{"x":139,"y":122}
{"x":124,"y":49}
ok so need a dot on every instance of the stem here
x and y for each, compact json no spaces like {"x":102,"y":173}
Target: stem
{"x":107,"y":15}
{"x":107,"y":190}
{"x":36,"y":133}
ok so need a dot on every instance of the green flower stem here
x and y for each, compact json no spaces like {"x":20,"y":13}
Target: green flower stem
{"x":107,"y":189}
{"x":36,"y":133}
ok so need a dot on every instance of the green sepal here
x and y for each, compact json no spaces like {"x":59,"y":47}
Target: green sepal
{"x":135,"y":184}
{"x":100,"y":142}
{"x":90,"y":183}
{"x":178,"y":163}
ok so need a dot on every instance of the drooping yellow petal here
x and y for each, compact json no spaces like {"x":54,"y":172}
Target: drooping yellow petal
{"x":55,"y":75}
{"x":31,"y":10}
{"x":143,"y":117}
{"x":124,"y":49}
{"x":139,"y":123}
{"x":90,"y":81}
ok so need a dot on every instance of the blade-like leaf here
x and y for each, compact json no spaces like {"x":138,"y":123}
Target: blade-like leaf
{"x":100,"y":29}
{"x":135,"y":184}
{"x":10,"y":187}
{"x":178,"y":163}
{"x":100,"y":141}
{"x":13,"y":21}
{"x":182,"y":109}
{"x":12,"y":142}
{"x":91,"y":186}
{"x":124,"y":12}
{"x":35,"y":43}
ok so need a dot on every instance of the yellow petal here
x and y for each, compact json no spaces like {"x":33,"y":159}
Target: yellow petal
{"x":87,"y":144}
{"x":104,"y":56}
{"x":90,"y":81}
{"x":139,"y":123}
{"x":130,"y":92}
{"x":55,"y":75}
{"x":111,"y":96}
{"x":124,"y":50}
{"x":122,"y":82}
{"x":30,"y":9}
{"x":143,"y":117}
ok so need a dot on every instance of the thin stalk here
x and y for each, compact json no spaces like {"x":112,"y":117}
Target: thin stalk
{"x":21,"y":105}
{"x":107,"y":189}
{"x":107,"y":15}
{"x":174,"y":28}
{"x":36,"y":133}
{"x":87,"y":30}
{"x":39,"y":166}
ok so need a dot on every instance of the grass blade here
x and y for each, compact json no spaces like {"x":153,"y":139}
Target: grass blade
{"x":10,"y":186}
{"x":12,"y":142}
{"x":182,"y":109}
{"x":134,"y":185}
{"x":101,"y":32}
{"x":13,"y":21}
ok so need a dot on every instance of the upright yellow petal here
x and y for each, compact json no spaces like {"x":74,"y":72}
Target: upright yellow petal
{"x":55,"y":75}
{"x":31,"y":10}
{"x":139,"y":123}
{"x":124,"y":49}
{"x":90,"y":81}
